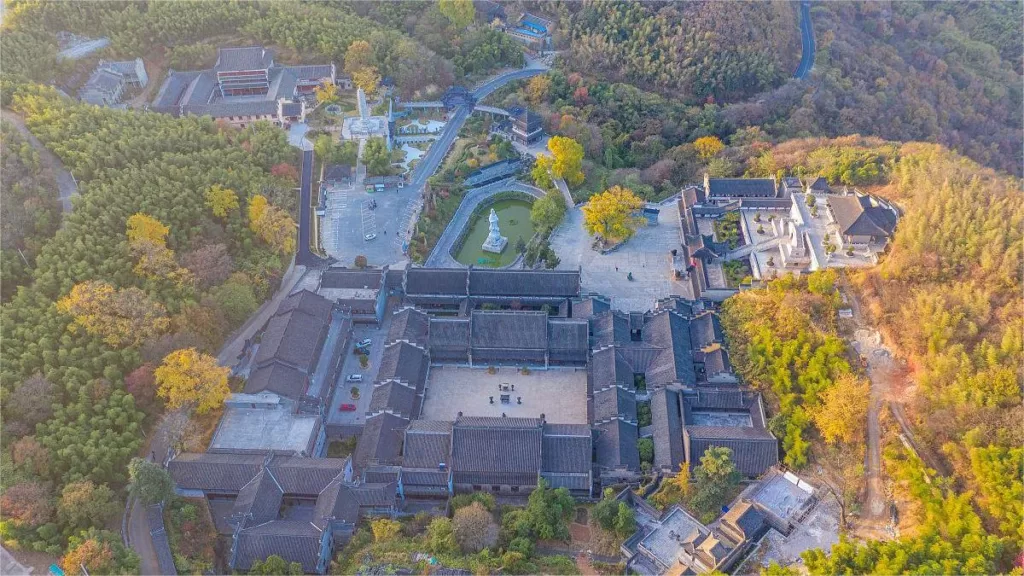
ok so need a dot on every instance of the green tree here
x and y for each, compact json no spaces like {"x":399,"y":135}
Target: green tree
{"x":84,"y":504}
{"x":150,"y":483}
{"x":376,"y":157}
{"x":459,"y":12}
{"x":547,"y":212}
{"x":441,"y":537}
{"x":274,"y":565}
{"x":716,"y":476}
{"x":549,"y":511}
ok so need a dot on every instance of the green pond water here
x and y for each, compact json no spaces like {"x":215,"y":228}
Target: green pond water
{"x":513,"y":220}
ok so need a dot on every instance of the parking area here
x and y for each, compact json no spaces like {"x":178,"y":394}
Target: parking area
{"x":352,"y":214}
{"x":647,"y":256}
{"x":343,"y":390}
{"x":559,"y":394}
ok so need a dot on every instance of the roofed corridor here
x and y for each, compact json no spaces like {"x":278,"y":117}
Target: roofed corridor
{"x":559,"y":394}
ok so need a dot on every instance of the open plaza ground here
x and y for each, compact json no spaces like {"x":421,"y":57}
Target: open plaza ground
{"x":648,"y":256}
{"x":560,"y":394}
{"x":350,"y":217}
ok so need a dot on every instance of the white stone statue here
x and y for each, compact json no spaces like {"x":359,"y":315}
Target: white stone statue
{"x":495,"y":241}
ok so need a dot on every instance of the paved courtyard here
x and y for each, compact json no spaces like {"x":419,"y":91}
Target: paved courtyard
{"x":647,"y":255}
{"x":560,"y":394}
{"x":349,"y":218}
{"x":350,"y":365}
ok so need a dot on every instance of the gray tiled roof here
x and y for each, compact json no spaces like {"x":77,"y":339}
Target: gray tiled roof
{"x":278,"y":378}
{"x":670,"y":331}
{"x":435,"y":281}
{"x":427,"y":444}
{"x":409,"y":324}
{"x":169,"y":96}
{"x":381,"y":474}
{"x":568,"y":334}
{"x":338,"y":172}
{"x":292,"y":540}
{"x":311,"y":71}
{"x":449,"y":332}
{"x":705,"y":330}
{"x":589,"y":307}
{"x":609,"y":369}
{"x":609,"y":327}
{"x":336,"y":501}
{"x":424,"y":477}
{"x":107,"y":81}
{"x":260,"y":499}
{"x":742,"y":187}
{"x":509,"y":330}
{"x":615,"y":445}
{"x":244,"y":58}
{"x":214,"y":472}
{"x":403,"y":362}
{"x":381,"y":441}
{"x":299,"y":475}
{"x":295,"y":332}
{"x":378,"y":495}
{"x":394,"y":397}
{"x":614,"y":402}
{"x":524,"y":283}
{"x":666,"y":419}
{"x":820,"y":184}
{"x":566,"y":449}
{"x":306,"y":302}
{"x":754,"y":448}
{"x":856,"y":215}
{"x":162,"y":547}
{"x":497,"y":446}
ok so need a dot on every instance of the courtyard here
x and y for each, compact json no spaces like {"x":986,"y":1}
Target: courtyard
{"x":350,"y":216}
{"x":648,"y":256}
{"x":560,"y":394}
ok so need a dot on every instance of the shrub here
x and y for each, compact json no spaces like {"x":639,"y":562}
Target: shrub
{"x":360,"y":261}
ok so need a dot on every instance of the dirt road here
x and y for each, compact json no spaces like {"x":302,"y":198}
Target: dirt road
{"x":66,"y":184}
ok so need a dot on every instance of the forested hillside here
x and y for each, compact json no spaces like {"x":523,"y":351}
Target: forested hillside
{"x":946,"y":72}
{"x":431,"y":55}
{"x":159,"y":253}
{"x":692,"y":51}
{"x":30,"y":211}
{"x":948,"y":297}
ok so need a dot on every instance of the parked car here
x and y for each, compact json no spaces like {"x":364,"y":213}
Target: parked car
{"x":364,"y":343}
{"x":347,"y":408}
{"x":369,"y":237}
{"x":354,"y":378}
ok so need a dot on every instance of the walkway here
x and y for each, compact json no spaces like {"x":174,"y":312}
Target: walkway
{"x":745,"y":250}
{"x":807,"y":45}
{"x":66,"y":184}
{"x":441,"y":256}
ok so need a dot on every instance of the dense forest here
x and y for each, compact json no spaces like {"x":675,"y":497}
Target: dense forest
{"x":947,"y":297}
{"x":946,"y":72}
{"x":694,"y":51}
{"x":157,"y":255}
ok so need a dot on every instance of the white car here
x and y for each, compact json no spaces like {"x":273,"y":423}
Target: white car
{"x":354,"y":378}
{"x":369,"y":237}
{"x":364,"y":343}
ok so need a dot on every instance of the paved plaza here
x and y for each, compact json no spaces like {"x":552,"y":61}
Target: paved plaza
{"x":559,"y":393}
{"x":647,"y":255}
{"x":349,"y":218}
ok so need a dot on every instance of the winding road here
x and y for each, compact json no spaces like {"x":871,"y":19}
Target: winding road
{"x":441,"y":255}
{"x":66,"y":184}
{"x":807,"y":46}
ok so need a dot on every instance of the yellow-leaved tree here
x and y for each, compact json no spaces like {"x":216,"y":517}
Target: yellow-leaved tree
{"x":843,"y":410}
{"x":459,"y":12}
{"x":188,"y":377}
{"x":126,"y":317}
{"x":358,"y":56}
{"x":145,"y":227}
{"x":568,"y":162}
{"x":707,"y":147}
{"x":272,"y":224}
{"x":326,"y":91}
{"x":367,"y":78}
{"x":537,"y":89}
{"x":612,"y":214}
{"x":221,"y":200}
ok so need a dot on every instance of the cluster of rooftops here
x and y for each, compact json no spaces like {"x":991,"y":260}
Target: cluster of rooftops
{"x":472,"y":318}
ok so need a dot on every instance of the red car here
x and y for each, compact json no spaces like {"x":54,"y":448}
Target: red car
{"x":347,"y":408}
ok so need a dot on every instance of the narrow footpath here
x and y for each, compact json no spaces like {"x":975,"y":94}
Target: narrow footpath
{"x":66,"y":184}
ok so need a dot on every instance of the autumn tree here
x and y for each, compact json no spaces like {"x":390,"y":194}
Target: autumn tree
{"x":209,"y":265}
{"x":358,"y":56}
{"x":273,"y":225}
{"x":150,"y":483}
{"x":843,"y":410}
{"x":27,"y":504}
{"x":537,"y":89}
{"x":29,"y":454}
{"x":708,"y":147}
{"x":145,"y":227}
{"x":30,"y":403}
{"x":385,"y":529}
{"x":147,"y":240}
{"x":368,"y":79}
{"x":326,"y":92}
{"x":84,"y":504}
{"x":99,"y":552}
{"x":221,"y":200}
{"x":190,"y":378}
{"x":612,"y":214}
{"x":541,"y":172}
{"x":141,"y":384}
{"x":459,"y":12}
{"x":125,"y":317}
{"x":441,"y":537}
{"x":274,"y":565}
{"x":568,"y":163}
{"x":474,"y":528}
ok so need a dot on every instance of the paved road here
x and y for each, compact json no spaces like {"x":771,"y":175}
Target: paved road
{"x":303,"y":255}
{"x":807,"y":46}
{"x":66,"y":185}
{"x":441,"y":256}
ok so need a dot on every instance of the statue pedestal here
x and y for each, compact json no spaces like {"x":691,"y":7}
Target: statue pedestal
{"x":495,"y":245}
